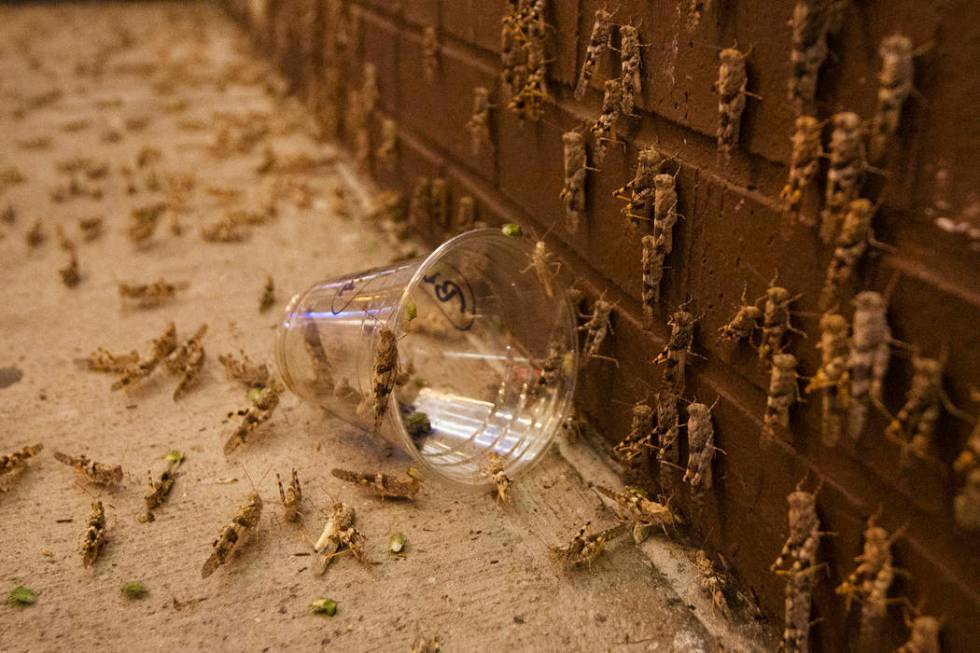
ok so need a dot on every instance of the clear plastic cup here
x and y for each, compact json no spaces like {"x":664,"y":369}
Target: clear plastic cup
{"x":487,"y":352}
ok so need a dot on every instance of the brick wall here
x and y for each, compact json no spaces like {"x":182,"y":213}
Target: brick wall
{"x":732,"y":234}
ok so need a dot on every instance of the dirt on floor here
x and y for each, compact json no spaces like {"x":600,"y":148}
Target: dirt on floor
{"x":168,"y":95}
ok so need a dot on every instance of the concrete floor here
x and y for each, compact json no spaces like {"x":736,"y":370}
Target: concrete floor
{"x":478,"y":578}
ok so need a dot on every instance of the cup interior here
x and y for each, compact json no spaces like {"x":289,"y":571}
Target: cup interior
{"x":488,"y":354}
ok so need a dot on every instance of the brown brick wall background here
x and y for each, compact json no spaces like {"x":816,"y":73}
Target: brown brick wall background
{"x":732,"y":233}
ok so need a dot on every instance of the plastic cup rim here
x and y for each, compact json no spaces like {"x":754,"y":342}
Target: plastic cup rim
{"x":395,"y":322}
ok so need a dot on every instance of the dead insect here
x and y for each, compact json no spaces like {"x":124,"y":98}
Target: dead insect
{"x":652,"y":266}
{"x":148,"y":156}
{"x":596,"y":328}
{"x":439,"y":203}
{"x":494,"y":468}
{"x":340,"y":203}
{"x":322,"y":369}
{"x":91,"y":228}
{"x":923,"y":635}
{"x":832,"y":379}
{"x":369,"y":88}
{"x":545,"y":266}
{"x":804,"y":162}
{"x":776,"y":320}
{"x":657,"y":247}
{"x":387,"y":150}
{"x":784,"y":391}
{"x":94,"y":538}
{"x":388,"y":208}
{"x":573,"y":192}
{"x":894,"y":88}
{"x":385,"y":486}
{"x":465,"y":214}
{"x":96,"y":473}
{"x":914,"y":427}
{"x":664,"y":210}
{"x":870,"y":581}
{"x":551,"y":368}
{"x":11,"y":176}
{"x":13,"y":464}
{"x":268,"y":296}
{"x":969,"y":458}
{"x":639,"y":192}
{"x":630,"y":78}
{"x":357,"y":123}
{"x":713,"y":584}
{"x":419,"y":209}
{"x":187,"y":360}
{"x":245,"y":371}
{"x":65,"y":243}
{"x":76,"y":187}
{"x":695,"y":12}
{"x":70,"y":275}
{"x":291,"y":497}
{"x":144,"y":220}
{"x":732,"y":80}
{"x":798,"y":562}
{"x":9,"y":213}
{"x":635,"y":508}
{"x":524,"y":65}
{"x":430,"y":53}
{"x":852,"y":242}
{"x":136,"y":371}
{"x":149,"y":295}
{"x":868,"y":360}
{"x":234,"y":535}
{"x":512,"y":53}
{"x":77,"y":125}
{"x":809,"y":24}
{"x":259,"y":412}
{"x":800,"y":550}
{"x":642,"y":435}
{"x":744,"y":323}
{"x":604,"y":129}
{"x":700,"y":447}
{"x":668,"y":432}
{"x":848,"y":162}
{"x":111,"y":134}
{"x":574,"y":427}
{"x":338,"y":536}
{"x":35,"y":235}
{"x":966,"y":505}
{"x":479,"y":123}
{"x":384,"y":373}
{"x":423,"y":644}
{"x":799,"y":601}
{"x":276,"y":162}
{"x":675,"y":352}
{"x":35,"y":143}
{"x":160,"y":488}
{"x":585,"y":547}
{"x":225,"y":230}
{"x":598,"y":41}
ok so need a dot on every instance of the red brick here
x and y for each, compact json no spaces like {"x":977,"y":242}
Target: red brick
{"x":421,"y":100}
{"x":477,"y":22}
